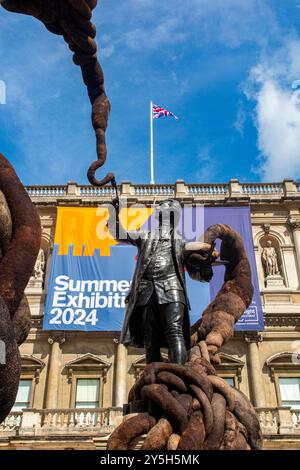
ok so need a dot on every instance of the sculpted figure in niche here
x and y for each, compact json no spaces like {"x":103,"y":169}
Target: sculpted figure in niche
{"x":39,"y":268}
{"x":270,"y":260}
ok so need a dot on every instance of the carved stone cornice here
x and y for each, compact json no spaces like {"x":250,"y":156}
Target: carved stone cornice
{"x":282,"y":320}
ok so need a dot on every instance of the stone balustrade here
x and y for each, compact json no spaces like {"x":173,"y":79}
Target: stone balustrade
{"x":207,"y":189}
{"x":199,"y":192}
{"x":11,"y":424}
{"x":296,"y":419}
{"x":92,"y":421}
{"x":268,"y":419}
{"x":47,"y":191}
{"x":273,"y":421}
{"x":262,"y":189}
{"x":283,"y":421}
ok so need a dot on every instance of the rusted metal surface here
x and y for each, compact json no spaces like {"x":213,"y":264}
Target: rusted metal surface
{"x":193,"y":408}
{"x":18,"y":261}
{"x":72,"y":20}
{"x":216,"y":325}
{"x":20,"y":239}
{"x":218,"y":417}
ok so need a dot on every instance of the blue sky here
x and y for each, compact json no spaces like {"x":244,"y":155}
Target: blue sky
{"x":227,"y":68}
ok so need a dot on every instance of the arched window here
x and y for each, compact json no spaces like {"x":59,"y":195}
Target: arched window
{"x":284,"y":370}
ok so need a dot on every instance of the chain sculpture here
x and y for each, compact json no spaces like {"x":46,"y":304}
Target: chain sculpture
{"x":20,"y":239}
{"x":188,"y":407}
{"x":72,"y":20}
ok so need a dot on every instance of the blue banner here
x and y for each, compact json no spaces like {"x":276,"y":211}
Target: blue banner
{"x":91,"y":273}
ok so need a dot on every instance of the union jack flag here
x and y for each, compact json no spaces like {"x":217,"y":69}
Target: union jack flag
{"x":158,"y":112}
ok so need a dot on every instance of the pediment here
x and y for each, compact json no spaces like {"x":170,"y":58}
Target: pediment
{"x":282,"y":358}
{"x":32,"y":365}
{"x":31,"y":362}
{"x":226,"y":359}
{"x":230,"y":365}
{"x":88,"y":360}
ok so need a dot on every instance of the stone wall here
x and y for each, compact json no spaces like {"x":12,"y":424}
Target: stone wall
{"x":255,"y":362}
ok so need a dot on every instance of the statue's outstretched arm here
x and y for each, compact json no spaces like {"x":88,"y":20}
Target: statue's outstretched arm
{"x":199,"y":258}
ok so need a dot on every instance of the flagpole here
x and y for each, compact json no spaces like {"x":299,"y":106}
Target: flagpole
{"x":151,"y":145}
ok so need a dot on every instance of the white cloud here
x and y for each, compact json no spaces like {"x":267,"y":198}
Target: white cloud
{"x":207,"y":165}
{"x":277,"y":112}
{"x":166,"y":31}
{"x":240,"y":119}
{"x":145,"y":25}
{"x":106,"y":51}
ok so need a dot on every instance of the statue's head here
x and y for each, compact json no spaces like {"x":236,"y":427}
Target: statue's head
{"x":269,"y":243}
{"x":168,"y":212}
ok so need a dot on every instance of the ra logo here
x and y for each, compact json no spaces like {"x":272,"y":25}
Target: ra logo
{"x":2,"y":92}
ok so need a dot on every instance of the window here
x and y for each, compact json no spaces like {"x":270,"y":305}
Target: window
{"x":290,"y":391}
{"x":229,"y":380}
{"x":87,"y":393}
{"x":23,"y":395}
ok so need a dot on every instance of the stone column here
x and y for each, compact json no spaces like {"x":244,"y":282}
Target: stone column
{"x":121,"y":375}
{"x":53,"y":371}
{"x":294,"y":225}
{"x":256,"y":377}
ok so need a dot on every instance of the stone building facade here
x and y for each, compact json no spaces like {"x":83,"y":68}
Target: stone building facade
{"x":73,"y":384}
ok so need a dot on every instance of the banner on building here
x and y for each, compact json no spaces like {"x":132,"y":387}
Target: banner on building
{"x":91,"y":272}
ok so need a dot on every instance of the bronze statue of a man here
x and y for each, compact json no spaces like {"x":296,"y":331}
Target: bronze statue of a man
{"x":157,"y":313}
